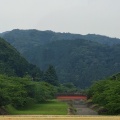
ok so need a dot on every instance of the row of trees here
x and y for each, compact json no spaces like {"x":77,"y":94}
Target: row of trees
{"x":106,"y":93}
{"x":21,"y":92}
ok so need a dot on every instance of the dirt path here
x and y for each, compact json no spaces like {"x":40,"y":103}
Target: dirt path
{"x":82,"y":109}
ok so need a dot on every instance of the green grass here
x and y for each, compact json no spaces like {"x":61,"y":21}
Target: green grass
{"x":49,"y":108}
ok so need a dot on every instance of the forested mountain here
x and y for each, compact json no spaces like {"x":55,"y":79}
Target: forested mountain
{"x":79,"y":59}
{"x":26,"y":39}
{"x":13,"y":64}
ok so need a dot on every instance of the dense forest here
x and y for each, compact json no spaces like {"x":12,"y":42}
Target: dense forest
{"x":105,"y":94}
{"x":23,"y":84}
{"x":13,"y":64}
{"x":80,"y":59}
{"x":64,"y":65}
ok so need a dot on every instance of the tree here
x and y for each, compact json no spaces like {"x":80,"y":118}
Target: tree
{"x":4,"y":97}
{"x":50,"y":76}
{"x":106,"y":93}
{"x":44,"y":91}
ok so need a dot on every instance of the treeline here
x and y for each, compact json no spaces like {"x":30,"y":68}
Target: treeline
{"x":23,"y":92}
{"x":106,"y":94}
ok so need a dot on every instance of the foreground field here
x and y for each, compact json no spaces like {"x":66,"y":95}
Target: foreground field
{"x":48,"y":117}
{"x":49,"y":108}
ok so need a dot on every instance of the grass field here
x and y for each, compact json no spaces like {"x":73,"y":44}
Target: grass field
{"x":49,"y":108}
{"x":48,"y":117}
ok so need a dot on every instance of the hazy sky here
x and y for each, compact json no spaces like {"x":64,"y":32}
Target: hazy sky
{"x":75,"y":16}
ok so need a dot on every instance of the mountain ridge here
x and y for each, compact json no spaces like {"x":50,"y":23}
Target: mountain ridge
{"x":66,"y":36}
{"x":76,"y":59}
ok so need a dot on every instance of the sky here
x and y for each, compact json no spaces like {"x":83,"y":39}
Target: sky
{"x":74,"y":16}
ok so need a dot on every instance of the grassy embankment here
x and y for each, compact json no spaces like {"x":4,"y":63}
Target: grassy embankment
{"x":49,"y":108}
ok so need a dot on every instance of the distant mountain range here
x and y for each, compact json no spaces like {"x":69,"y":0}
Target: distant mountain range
{"x":79,"y":59}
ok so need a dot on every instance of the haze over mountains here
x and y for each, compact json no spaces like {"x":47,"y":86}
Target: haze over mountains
{"x":79,"y":59}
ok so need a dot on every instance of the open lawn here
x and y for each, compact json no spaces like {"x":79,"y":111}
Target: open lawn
{"x":49,"y":108}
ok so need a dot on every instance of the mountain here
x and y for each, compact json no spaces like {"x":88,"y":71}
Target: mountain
{"x":13,"y":64}
{"x":79,"y":59}
{"x":24,"y":40}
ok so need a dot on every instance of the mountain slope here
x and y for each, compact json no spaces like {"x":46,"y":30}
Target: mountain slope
{"x":77,"y":58}
{"x":24,"y":40}
{"x":78,"y":61}
{"x":11,"y":62}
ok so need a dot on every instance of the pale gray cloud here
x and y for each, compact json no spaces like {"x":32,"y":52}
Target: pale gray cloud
{"x":76,"y":16}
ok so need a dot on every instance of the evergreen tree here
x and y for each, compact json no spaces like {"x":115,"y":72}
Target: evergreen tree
{"x":50,"y":76}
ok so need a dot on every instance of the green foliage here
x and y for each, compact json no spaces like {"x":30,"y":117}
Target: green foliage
{"x":67,"y":88}
{"x":50,"y":76}
{"x":4,"y":98}
{"x":13,"y":90}
{"x":107,"y":93}
{"x":44,"y":91}
{"x":13,"y":64}
{"x":22,"y":92}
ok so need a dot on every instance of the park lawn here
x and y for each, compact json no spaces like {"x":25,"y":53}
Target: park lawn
{"x":53,"y":107}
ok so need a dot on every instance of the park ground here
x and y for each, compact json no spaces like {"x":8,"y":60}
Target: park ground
{"x":53,"y":107}
{"x":55,"y":110}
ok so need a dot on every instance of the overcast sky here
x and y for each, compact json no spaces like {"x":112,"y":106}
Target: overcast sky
{"x":75,"y":16}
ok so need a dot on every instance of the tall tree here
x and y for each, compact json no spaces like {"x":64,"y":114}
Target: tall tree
{"x":50,"y":76}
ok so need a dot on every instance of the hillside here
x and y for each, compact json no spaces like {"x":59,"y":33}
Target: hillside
{"x":13,"y":64}
{"x":24,"y":40}
{"x":79,"y":59}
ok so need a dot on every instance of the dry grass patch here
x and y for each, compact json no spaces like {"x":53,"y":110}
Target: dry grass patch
{"x":53,"y":117}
